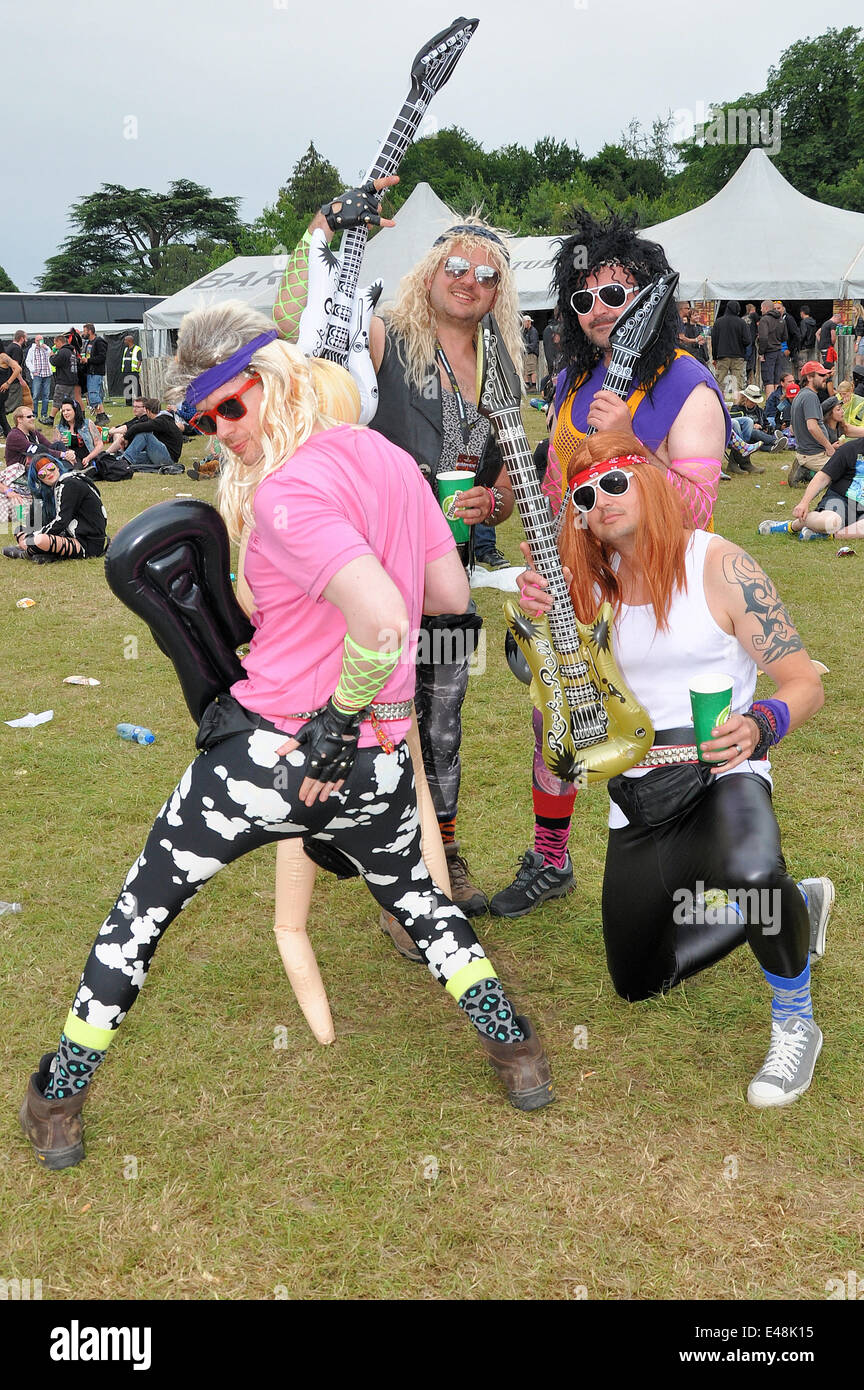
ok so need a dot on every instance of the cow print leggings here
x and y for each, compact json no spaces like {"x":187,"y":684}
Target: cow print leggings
{"x":236,"y":796}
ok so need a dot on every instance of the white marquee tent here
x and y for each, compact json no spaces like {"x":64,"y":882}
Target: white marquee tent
{"x":759,"y":237}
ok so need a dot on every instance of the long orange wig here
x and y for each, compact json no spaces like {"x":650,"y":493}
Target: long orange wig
{"x":661,"y":542}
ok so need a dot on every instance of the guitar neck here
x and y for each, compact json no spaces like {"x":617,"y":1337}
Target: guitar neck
{"x":619,"y":376}
{"x":537,"y":521}
{"x":386,"y":162}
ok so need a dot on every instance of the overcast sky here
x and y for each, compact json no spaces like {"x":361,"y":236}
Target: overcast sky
{"x":230,"y":92}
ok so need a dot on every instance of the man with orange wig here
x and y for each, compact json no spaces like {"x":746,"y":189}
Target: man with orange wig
{"x":673,"y":406}
{"x":690,"y":603}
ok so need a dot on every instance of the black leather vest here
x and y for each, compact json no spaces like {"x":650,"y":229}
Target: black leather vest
{"x":414,"y":420}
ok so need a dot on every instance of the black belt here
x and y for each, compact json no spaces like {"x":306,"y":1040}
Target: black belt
{"x":671,"y":746}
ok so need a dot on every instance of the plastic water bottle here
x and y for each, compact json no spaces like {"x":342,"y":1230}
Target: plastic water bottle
{"x":135,"y":733}
{"x":9,"y":907}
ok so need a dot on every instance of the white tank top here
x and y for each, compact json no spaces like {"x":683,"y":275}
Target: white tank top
{"x":659,"y":665}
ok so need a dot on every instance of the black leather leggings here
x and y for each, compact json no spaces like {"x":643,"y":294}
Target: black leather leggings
{"x":729,"y":840}
{"x":438,"y":699}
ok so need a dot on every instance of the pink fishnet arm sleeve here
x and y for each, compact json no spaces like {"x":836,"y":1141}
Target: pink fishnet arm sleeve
{"x":697,"y":480}
{"x":291,"y":296}
{"x":551,"y":485}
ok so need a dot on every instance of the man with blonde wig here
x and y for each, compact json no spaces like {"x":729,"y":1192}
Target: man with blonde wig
{"x":424,"y":356}
{"x":346,"y":549}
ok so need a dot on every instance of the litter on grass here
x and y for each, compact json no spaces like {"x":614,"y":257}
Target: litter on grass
{"x":29,"y":721}
{"x":80,"y":680}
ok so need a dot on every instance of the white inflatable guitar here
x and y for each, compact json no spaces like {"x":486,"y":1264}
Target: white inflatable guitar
{"x":335,"y":322}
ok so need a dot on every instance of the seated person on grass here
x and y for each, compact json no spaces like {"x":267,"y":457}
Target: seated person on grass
{"x":840,"y":512}
{"x":151,"y":442}
{"x":74,"y":435}
{"x":24,"y":435}
{"x":853,"y":404}
{"x":779,"y":404}
{"x":79,"y":528}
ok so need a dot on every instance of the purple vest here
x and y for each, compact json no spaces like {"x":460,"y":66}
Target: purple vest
{"x":653,"y":418}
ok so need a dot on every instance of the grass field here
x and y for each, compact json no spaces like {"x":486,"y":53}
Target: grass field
{"x":223,"y":1164}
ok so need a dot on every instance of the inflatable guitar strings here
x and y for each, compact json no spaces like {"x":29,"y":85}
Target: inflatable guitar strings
{"x":335,"y":322}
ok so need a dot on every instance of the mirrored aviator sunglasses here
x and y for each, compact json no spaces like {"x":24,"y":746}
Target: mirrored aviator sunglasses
{"x":614,"y":483}
{"x":485,"y":275}
{"x":613,"y":296}
{"x":230,"y":408}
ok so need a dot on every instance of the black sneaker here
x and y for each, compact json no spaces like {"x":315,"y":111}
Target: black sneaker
{"x":492,"y":560}
{"x":535,"y":882}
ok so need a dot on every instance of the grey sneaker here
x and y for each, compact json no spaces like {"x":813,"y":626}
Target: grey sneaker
{"x":805,"y":534}
{"x":535,"y":882}
{"x":818,"y":894}
{"x":788,"y":1070}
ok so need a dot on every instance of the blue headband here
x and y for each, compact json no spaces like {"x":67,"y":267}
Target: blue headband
{"x":214,"y":377}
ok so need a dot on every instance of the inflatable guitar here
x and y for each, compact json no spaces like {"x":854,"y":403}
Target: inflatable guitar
{"x":634,"y":332}
{"x":593,"y":727}
{"x":335,"y":322}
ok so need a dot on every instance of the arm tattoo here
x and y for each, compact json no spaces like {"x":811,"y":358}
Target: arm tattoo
{"x":778,"y":637}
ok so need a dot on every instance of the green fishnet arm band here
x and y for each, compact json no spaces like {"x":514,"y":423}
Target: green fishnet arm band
{"x":364,"y":673}
{"x":291,"y":298}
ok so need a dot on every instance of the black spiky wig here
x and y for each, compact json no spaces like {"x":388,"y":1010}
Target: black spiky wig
{"x":593,"y":243}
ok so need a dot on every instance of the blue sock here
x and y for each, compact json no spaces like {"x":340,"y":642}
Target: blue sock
{"x":790,"y":997}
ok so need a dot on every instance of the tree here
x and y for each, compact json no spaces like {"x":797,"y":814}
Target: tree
{"x":816,"y":90}
{"x":90,"y":265}
{"x":6,"y":286}
{"x":182,"y":265}
{"x":556,"y":161}
{"x":313,"y":181}
{"x":444,"y":161}
{"x":122,"y":233}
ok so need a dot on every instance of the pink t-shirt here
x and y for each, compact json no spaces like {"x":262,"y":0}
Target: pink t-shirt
{"x":344,"y":493}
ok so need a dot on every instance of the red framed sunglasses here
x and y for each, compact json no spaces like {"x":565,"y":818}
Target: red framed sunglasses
{"x":230,"y":408}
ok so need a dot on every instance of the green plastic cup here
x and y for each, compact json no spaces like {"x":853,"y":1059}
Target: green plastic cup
{"x":66,"y":436}
{"x":711,"y":703}
{"x":449,"y":486}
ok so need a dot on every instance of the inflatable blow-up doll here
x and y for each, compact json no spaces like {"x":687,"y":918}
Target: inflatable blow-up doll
{"x":346,"y":549}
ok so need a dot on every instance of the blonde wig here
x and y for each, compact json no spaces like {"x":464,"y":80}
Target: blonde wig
{"x":412,"y":315}
{"x":300,"y":395}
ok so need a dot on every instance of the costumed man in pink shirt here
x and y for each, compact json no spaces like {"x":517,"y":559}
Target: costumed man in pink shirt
{"x":347,"y":548}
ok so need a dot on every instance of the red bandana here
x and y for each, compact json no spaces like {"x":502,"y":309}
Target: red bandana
{"x":595,"y":470}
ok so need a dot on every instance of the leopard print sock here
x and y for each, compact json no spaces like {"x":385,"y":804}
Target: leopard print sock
{"x":72,"y":1069}
{"x":491,"y":1012}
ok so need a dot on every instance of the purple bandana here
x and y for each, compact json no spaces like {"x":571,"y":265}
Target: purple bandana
{"x":214,"y":377}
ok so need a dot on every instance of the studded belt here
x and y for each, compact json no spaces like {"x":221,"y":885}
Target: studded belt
{"x":395,"y":709}
{"x":671,"y":746}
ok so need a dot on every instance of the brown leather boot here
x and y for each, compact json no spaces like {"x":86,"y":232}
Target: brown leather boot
{"x":54,"y":1127}
{"x":523,"y":1067}
{"x":463,"y":892}
{"x":405,"y":945}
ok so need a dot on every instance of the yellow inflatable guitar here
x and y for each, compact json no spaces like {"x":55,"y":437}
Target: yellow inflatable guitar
{"x":593,"y":727}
